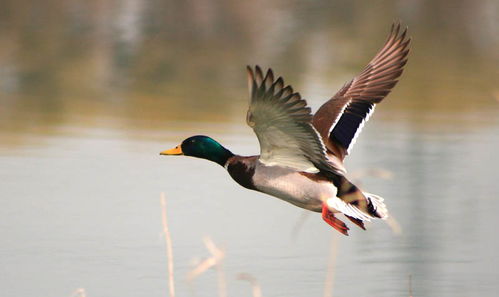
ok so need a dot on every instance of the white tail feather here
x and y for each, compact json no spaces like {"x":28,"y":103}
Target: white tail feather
{"x":378,"y":204}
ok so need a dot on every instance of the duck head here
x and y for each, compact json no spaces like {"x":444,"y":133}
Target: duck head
{"x":203,"y":147}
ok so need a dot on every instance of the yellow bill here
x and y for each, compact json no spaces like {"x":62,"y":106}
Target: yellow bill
{"x":174,"y":151}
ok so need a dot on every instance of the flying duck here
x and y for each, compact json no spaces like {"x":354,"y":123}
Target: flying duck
{"x":301,"y":155}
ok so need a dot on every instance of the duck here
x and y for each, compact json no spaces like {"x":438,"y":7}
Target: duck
{"x":302,"y":154}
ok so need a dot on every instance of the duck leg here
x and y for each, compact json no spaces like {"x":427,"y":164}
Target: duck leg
{"x":329,"y":217}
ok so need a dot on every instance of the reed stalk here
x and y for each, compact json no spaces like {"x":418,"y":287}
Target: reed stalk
{"x":169,"y":249}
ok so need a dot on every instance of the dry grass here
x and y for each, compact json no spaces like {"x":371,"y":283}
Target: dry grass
{"x":217,"y":256}
{"x":80,"y":292}
{"x":169,"y":249}
{"x":255,"y":286}
{"x":333,"y":252}
{"x":215,"y":261}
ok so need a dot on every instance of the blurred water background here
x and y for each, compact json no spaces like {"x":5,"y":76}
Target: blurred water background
{"x":91,"y":91}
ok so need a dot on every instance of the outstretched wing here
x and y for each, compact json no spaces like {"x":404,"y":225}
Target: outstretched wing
{"x":340,"y":120}
{"x":282,"y":122}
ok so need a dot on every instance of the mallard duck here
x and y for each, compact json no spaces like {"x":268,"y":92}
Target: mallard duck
{"x":301,"y":155}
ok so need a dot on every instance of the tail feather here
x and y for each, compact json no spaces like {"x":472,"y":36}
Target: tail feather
{"x":356,"y":203}
{"x":356,"y":221}
{"x":375,"y":206}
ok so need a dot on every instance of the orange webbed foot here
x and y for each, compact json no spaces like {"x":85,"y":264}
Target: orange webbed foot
{"x":329,"y":218}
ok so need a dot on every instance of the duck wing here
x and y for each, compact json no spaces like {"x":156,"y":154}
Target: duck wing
{"x":281,"y":120}
{"x":340,"y":120}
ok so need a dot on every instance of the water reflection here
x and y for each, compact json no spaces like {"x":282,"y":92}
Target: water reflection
{"x":145,"y":64}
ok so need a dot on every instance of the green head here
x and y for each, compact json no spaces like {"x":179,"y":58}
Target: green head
{"x":203,"y":147}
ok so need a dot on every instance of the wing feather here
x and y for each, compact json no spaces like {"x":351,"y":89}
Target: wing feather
{"x":340,"y":120}
{"x":281,"y":120}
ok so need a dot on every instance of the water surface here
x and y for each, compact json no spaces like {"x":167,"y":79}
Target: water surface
{"x":90,"y":93}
